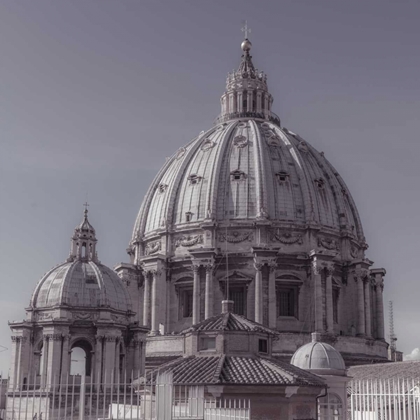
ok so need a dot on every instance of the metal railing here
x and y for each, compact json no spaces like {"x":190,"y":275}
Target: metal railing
{"x":125,"y":396}
{"x":393,"y":399}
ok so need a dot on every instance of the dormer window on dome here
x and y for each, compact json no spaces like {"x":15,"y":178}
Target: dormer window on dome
{"x":320,"y":183}
{"x":194,"y":179}
{"x":282,"y":176}
{"x":237,"y":175}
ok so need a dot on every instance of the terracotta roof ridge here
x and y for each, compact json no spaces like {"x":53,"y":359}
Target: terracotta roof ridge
{"x":219,"y":367}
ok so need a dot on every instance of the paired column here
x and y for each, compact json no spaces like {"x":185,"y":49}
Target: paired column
{"x":329,"y":270}
{"x":155,"y":302}
{"x":368,"y":319}
{"x":146,"y":299}
{"x":272,"y":307}
{"x":258,"y":293}
{"x":359,"y":275}
{"x":196,"y":294}
{"x":379,"y":274}
{"x":208,"y":302}
{"x":319,"y":306}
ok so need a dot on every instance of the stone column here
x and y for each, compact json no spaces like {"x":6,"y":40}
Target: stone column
{"x":16,"y":359}
{"x":196,"y":294}
{"x":368,"y":319}
{"x":155,"y":302}
{"x":316,"y":273}
{"x":358,"y":275}
{"x":52,"y":369}
{"x":99,"y":359}
{"x":258,"y":293}
{"x":45,"y":355}
{"x":329,"y":269}
{"x":379,"y":273}
{"x":65,"y":363}
{"x":146,"y":299}
{"x":208,"y":310}
{"x":109,"y":358}
{"x":272,"y":298}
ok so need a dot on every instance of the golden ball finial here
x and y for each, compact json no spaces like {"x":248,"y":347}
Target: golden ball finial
{"x":246,"y":45}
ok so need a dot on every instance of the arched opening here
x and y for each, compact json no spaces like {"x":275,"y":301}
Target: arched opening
{"x":81,"y":358}
{"x":330,"y":407}
{"x":84,"y":251}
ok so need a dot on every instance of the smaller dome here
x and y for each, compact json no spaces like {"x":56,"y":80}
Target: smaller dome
{"x":81,"y":284}
{"x":319,"y":358}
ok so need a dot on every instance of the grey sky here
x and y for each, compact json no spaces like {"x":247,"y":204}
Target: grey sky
{"x":96,"y":94}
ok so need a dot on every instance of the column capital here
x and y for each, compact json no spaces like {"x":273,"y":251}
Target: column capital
{"x":209,"y":267}
{"x":195,"y":267}
{"x":258,"y":266}
{"x":378,"y":272}
{"x":329,"y":268}
{"x":360,"y":274}
{"x":272,"y":265}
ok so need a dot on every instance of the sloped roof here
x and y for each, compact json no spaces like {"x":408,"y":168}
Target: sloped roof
{"x":234,"y":370}
{"x":229,"y":322}
{"x":402,"y":370}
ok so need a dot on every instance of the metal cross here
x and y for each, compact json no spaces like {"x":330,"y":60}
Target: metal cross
{"x":86,"y":205}
{"x":245,"y":29}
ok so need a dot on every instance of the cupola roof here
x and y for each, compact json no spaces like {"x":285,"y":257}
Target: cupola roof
{"x":81,"y":281}
{"x":320,"y":358}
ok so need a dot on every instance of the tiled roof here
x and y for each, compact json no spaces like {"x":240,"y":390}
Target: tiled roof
{"x":195,"y":370}
{"x":406,"y":370}
{"x":229,"y":322}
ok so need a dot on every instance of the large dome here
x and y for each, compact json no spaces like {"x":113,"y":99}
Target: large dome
{"x":248,"y":169}
{"x":249,"y":211}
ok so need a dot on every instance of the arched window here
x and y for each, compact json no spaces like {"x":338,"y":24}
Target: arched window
{"x":330,"y":407}
{"x":81,"y":358}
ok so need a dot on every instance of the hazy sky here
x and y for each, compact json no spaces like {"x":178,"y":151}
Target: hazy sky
{"x":96,"y":94}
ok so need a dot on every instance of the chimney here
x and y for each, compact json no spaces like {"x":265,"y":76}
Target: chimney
{"x":227,"y":306}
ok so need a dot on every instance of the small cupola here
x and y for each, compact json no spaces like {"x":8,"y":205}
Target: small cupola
{"x":247,"y":94}
{"x":83,"y":241}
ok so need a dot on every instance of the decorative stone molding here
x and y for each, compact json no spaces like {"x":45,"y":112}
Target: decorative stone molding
{"x":354,"y":252}
{"x":42,"y":316}
{"x":286,"y":238}
{"x":53,"y":337}
{"x":118,"y":318}
{"x":189,"y":240}
{"x":111,"y":338}
{"x":272,"y":265}
{"x":236,"y":237}
{"x":328,"y":243}
{"x":152,"y":247}
{"x":240,"y":141}
{"x":84,"y":315}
